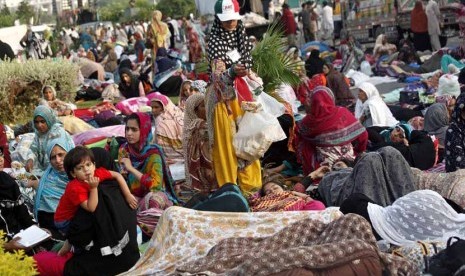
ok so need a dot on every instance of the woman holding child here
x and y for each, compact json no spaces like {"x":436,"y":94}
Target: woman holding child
{"x":146,"y":171}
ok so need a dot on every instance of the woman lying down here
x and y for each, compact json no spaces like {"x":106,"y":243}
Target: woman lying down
{"x":274,"y":198}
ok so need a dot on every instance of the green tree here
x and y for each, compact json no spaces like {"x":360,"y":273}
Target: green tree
{"x":24,"y":12}
{"x":145,"y":10}
{"x":7,"y":20}
{"x":5,"y":10}
{"x":176,"y":8}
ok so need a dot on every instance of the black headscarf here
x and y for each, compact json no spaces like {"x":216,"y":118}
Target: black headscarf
{"x":131,"y":90}
{"x":221,"y":41}
{"x":314,"y":64}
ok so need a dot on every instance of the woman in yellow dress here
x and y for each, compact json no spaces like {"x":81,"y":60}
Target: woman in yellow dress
{"x":157,"y":34}
{"x":229,"y":57}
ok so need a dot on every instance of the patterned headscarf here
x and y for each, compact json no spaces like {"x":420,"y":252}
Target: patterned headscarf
{"x":222,"y":41}
{"x":455,"y":138}
{"x":200,"y":85}
{"x":191,"y":122}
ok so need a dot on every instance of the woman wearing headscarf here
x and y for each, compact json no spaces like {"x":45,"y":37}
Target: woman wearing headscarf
{"x":229,"y":57}
{"x":64,"y":111}
{"x":139,"y":47}
{"x":112,"y":226}
{"x":417,"y":216}
{"x":314,"y":64}
{"x":110,"y":64}
{"x":307,"y":86}
{"x":169,"y":122}
{"x":46,"y":128}
{"x":14,"y":214}
{"x":157,"y":33}
{"x":419,"y":27}
{"x":352,"y":54}
{"x":146,"y":172}
{"x":382,"y":47}
{"x":130,"y":86}
{"x":52,"y":184}
{"x":184,"y":93}
{"x":328,"y":132}
{"x":370,"y":108}
{"x":197,"y":151}
{"x":455,"y":138}
{"x":416,"y":146}
{"x":384,"y":176}
{"x":338,"y":84}
{"x":437,"y":123}
{"x":293,"y":54}
{"x":195,"y":49}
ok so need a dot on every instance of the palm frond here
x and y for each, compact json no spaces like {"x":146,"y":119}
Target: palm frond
{"x":270,"y":61}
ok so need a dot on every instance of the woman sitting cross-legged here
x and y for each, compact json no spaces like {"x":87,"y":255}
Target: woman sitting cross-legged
{"x":328,"y":132}
{"x":146,"y":171}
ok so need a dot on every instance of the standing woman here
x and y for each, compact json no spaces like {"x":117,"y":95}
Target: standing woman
{"x":157,"y":33}
{"x":146,"y":172}
{"x":419,"y":27}
{"x":229,"y":57}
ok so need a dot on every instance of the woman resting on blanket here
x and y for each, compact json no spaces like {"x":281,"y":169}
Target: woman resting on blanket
{"x":328,"y":132}
{"x":416,"y":146}
{"x":146,"y":171}
{"x":417,"y":216}
{"x":370,"y":108}
{"x":169,"y":122}
{"x":275,"y":199}
{"x":382,"y":47}
{"x":64,"y":111}
{"x":384,"y":176}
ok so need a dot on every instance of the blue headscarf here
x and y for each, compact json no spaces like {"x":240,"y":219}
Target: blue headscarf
{"x":41,"y":140}
{"x":53,"y":182}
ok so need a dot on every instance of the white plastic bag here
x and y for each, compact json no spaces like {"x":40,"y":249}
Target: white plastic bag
{"x":257,"y":131}
{"x":270,"y":105}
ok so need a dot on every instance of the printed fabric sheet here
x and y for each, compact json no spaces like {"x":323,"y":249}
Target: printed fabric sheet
{"x":183,"y":235}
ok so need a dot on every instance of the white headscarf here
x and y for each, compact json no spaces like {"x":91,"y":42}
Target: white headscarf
{"x":421,"y":215}
{"x":380,"y":113}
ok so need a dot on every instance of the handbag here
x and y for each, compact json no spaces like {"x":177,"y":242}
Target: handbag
{"x":449,"y":260}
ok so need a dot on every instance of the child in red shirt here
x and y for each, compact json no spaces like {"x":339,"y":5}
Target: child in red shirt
{"x":82,"y":191}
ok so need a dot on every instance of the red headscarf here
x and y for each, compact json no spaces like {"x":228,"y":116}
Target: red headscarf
{"x":325,"y":125}
{"x":307,"y":86}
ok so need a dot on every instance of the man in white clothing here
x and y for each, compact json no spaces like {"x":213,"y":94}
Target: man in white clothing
{"x":327,"y":22}
{"x":434,"y":17}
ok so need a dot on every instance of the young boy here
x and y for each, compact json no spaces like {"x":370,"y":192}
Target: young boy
{"x":82,"y":191}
